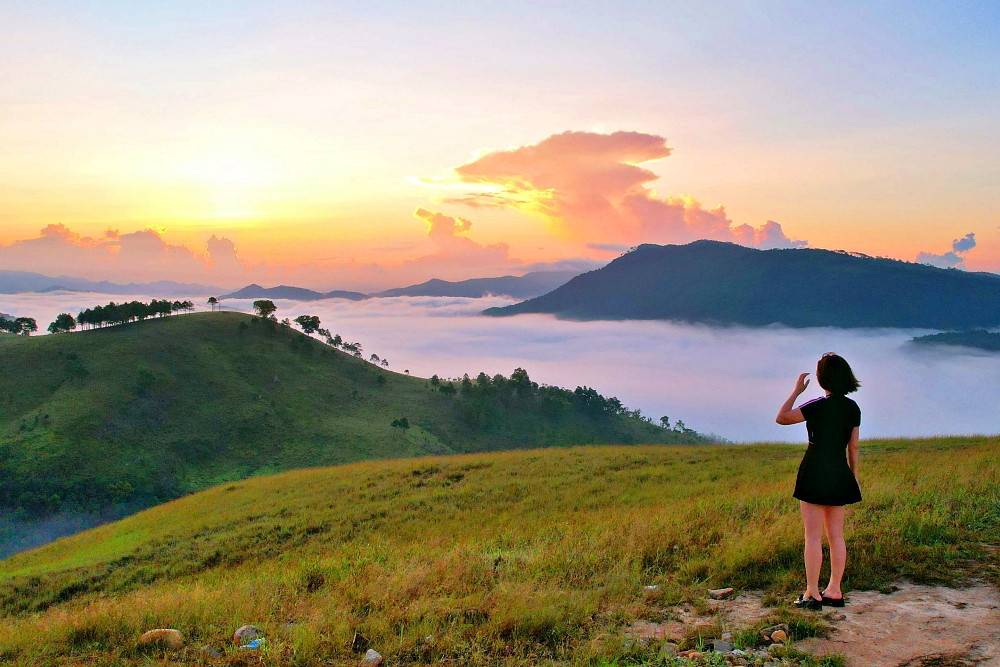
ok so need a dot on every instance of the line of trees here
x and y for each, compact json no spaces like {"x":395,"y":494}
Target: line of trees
{"x":24,"y":326}
{"x":310,"y":324}
{"x":519,"y":393}
{"x":122,"y":313}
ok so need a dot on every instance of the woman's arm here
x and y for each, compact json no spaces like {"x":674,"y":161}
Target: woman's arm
{"x":852,"y":451}
{"x":785,"y":413}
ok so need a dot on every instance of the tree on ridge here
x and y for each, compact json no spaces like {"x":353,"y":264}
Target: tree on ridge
{"x":64,"y":322}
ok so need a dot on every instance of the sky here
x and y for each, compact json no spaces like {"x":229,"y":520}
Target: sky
{"x":367,"y":145}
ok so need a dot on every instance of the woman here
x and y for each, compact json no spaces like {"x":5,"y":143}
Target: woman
{"x":827,"y":480}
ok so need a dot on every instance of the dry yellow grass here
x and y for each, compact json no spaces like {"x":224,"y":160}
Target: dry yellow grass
{"x":517,"y":558}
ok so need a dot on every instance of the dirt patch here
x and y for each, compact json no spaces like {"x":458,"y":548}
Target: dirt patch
{"x":916,"y":626}
{"x":728,"y":614}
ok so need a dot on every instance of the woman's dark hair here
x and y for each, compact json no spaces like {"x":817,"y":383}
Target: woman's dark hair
{"x":835,"y":375}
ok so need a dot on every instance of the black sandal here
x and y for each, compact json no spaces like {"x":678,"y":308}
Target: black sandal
{"x":810,"y":603}
{"x":833,"y":602}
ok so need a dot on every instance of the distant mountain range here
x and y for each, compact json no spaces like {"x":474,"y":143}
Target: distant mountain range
{"x":518,"y":287}
{"x":13,"y":282}
{"x":527,"y":286}
{"x":726,"y":284}
{"x":255,"y":291}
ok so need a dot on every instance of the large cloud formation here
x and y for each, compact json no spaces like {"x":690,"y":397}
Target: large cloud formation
{"x":141,"y":255}
{"x":950,"y":260}
{"x":146,"y":256}
{"x":455,"y":253}
{"x":592,"y":186}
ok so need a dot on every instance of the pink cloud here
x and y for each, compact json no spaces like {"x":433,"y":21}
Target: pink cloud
{"x":592,"y":185}
{"x":455,"y":253}
{"x":145,"y":256}
{"x":137,"y":256}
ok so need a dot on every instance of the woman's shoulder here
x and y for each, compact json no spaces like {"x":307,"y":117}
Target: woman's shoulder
{"x":851,"y":405}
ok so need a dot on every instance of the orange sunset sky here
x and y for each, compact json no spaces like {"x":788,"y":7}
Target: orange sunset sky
{"x":335,"y":146}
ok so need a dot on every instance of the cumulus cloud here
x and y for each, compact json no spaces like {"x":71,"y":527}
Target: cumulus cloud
{"x":141,"y":255}
{"x":953,"y":259}
{"x":443,"y":228}
{"x":592,"y":186}
{"x":455,"y":254}
{"x":146,"y":256}
{"x":964,"y":244}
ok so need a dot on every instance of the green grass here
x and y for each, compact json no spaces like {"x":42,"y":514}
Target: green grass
{"x":150,"y":411}
{"x":513,"y":558}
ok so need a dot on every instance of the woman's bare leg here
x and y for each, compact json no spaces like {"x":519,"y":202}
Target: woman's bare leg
{"x":812,"y":521}
{"x":833,"y":521}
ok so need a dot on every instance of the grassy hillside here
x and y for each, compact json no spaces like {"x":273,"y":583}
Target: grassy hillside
{"x":137,"y":414}
{"x":724,"y":283}
{"x":513,"y":558}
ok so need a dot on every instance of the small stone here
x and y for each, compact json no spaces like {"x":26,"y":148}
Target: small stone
{"x":167,"y":637}
{"x":720,"y":593}
{"x":669,"y":649}
{"x":840,"y":617}
{"x":652,"y":588}
{"x":246,"y":634}
{"x":779,"y":636}
{"x":728,"y":636}
{"x":372,"y":658}
{"x":774,"y":647}
{"x":209,"y":652}
{"x":722,"y":646}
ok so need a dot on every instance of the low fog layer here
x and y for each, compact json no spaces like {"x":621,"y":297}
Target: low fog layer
{"x":725,"y":381}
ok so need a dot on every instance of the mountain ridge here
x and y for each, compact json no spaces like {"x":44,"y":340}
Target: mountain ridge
{"x":723,"y":284}
{"x":527,"y":286}
{"x":17,"y":282}
{"x":255,"y":291}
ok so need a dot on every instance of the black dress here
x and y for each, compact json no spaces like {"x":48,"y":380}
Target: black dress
{"x":825,"y":478}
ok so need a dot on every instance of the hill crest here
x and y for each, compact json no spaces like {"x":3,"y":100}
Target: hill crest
{"x":725,"y":284}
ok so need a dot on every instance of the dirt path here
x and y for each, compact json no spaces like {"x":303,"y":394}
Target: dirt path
{"x":915,"y":626}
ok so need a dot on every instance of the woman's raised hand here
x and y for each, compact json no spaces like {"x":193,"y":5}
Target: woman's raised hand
{"x":801,"y":383}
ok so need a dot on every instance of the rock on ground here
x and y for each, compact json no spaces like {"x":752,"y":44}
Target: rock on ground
{"x":162,"y":637}
{"x":246,"y":634}
{"x":209,"y":652}
{"x":372,"y":658}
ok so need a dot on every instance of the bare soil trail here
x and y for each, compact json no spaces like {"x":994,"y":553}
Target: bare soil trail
{"x":914,"y":626}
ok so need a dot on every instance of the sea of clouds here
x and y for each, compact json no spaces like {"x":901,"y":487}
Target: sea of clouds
{"x":726,"y":381}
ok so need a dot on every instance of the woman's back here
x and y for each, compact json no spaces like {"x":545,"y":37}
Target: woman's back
{"x":830,"y":421}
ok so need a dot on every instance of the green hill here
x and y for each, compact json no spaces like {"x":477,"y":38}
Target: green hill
{"x":514,"y":558}
{"x":128,"y":416}
{"x":725,"y":284}
{"x":988,"y":341}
